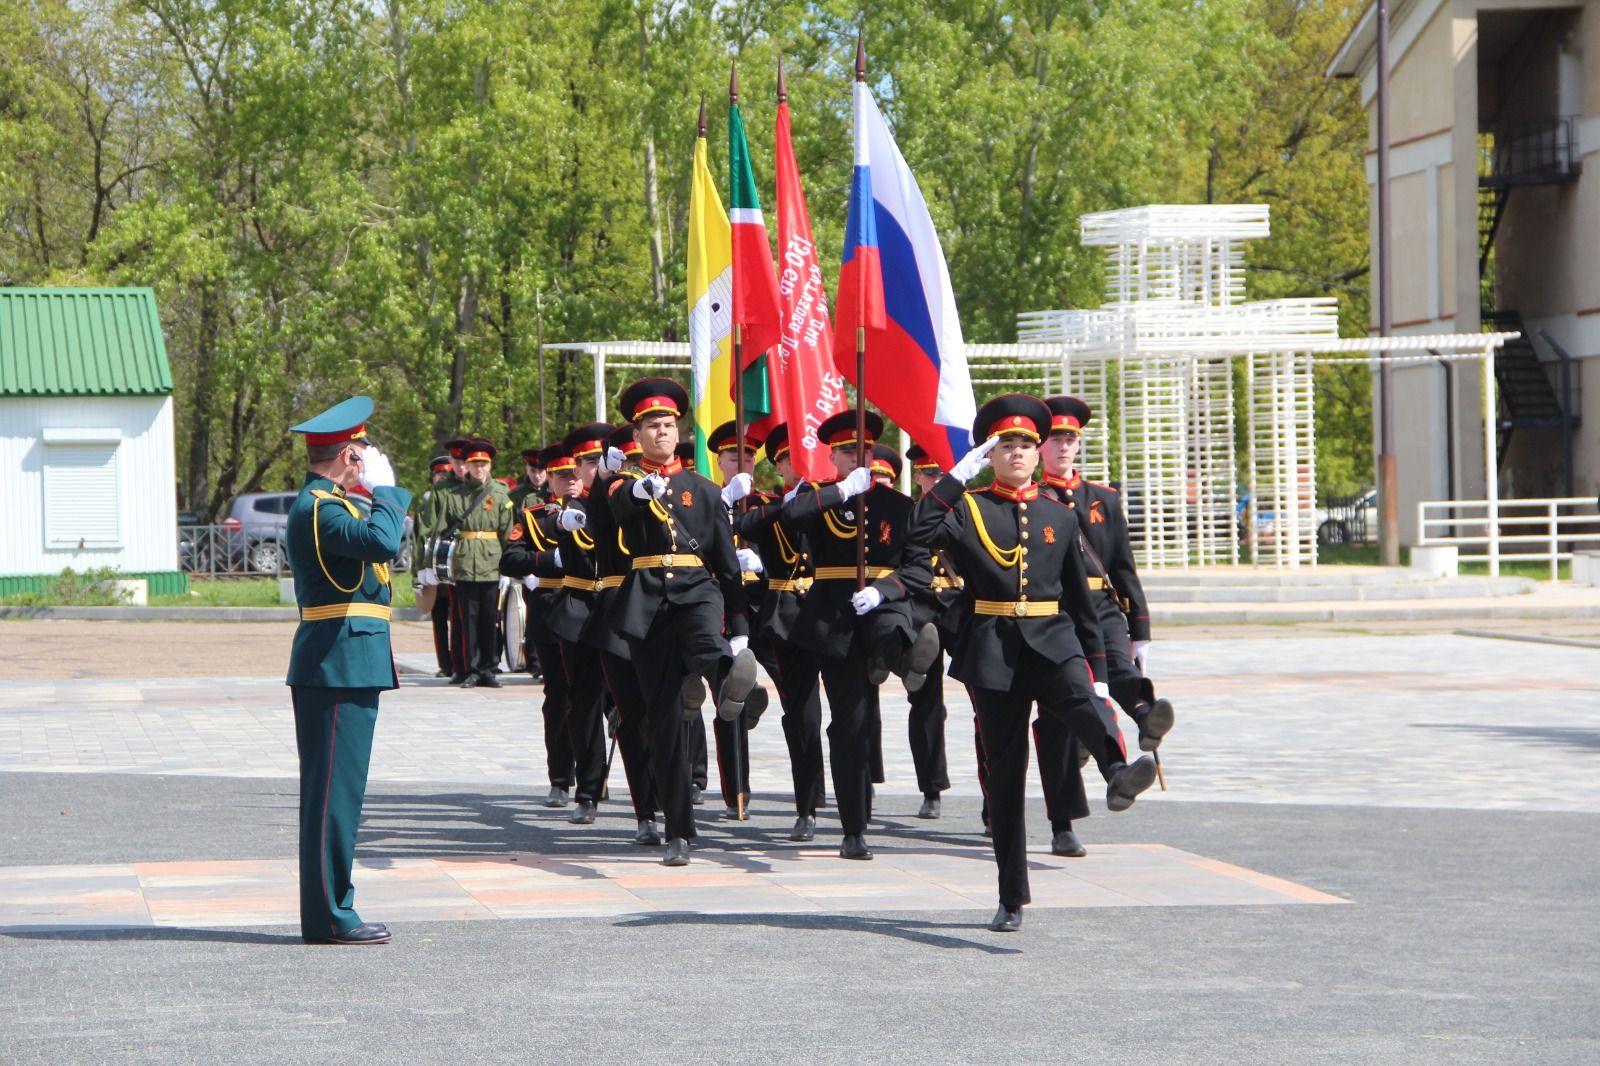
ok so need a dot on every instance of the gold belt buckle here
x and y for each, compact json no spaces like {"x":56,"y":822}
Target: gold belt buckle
{"x":666,"y":560}
{"x":1020,"y":610}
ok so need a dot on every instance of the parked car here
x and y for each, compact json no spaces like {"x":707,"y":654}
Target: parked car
{"x":261,"y":518}
{"x":1348,"y":520}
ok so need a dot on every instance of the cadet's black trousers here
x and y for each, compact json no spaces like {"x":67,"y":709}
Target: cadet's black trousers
{"x":795,"y":671}
{"x":559,"y":760}
{"x":1065,"y":698}
{"x":480,"y":624}
{"x":632,"y":742}
{"x":585,"y":717}
{"x":440,"y":617}
{"x":926,"y":728}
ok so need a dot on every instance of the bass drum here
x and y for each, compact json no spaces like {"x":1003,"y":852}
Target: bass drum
{"x":512,"y":621}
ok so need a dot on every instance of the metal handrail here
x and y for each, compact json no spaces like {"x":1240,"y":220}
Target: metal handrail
{"x":1564,"y":522}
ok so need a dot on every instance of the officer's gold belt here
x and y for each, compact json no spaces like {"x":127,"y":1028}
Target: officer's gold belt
{"x":580,"y":584}
{"x":1015,"y":608}
{"x":479,"y":534}
{"x":672,"y":561}
{"x":345,"y":610}
{"x":940,"y":584}
{"x":748,"y":577}
{"x":613,"y":581}
{"x":848,"y":573}
{"x":799,"y":584}
{"x":1098,"y":584}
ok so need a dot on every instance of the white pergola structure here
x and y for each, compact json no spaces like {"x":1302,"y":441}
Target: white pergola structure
{"x":1157,"y":361}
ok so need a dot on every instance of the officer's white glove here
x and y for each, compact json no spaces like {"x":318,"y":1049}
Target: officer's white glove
{"x":612,"y":460}
{"x":1102,"y":690}
{"x":531,"y":583}
{"x":505,"y":583}
{"x":972,"y":464}
{"x":738,"y":644}
{"x":376,"y":470}
{"x":1141,"y":655}
{"x":855,"y":483}
{"x":427,"y":576}
{"x":868,"y":599}
{"x":650,"y":487}
{"x":555,"y":557}
{"x":749,"y":561}
{"x":737,"y":488}
{"x":571,"y":519}
{"x":792,"y":493}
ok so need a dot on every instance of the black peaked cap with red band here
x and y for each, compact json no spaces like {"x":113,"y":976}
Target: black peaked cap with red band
{"x":1012,"y":413}
{"x":840,"y":430}
{"x":885,"y":456}
{"x":555,"y":459}
{"x":622,"y":438}
{"x":531,"y":456}
{"x":917,"y":455}
{"x":723,"y":439}
{"x":587,"y":440}
{"x":653,"y":396}
{"x":1068,"y":412}
{"x":478,"y":448}
{"x":777,"y":442}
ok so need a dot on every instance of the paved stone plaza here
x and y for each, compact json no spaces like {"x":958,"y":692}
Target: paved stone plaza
{"x":1375,"y":848}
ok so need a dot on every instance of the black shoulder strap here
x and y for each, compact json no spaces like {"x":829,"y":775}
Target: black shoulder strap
{"x":1094,"y":559}
{"x":455,"y":523}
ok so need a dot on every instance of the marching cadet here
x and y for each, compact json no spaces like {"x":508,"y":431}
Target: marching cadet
{"x":786,"y":563}
{"x":529,"y":490}
{"x":939,"y":604}
{"x":342,"y":658}
{"x":860,"y":637}
{"x":440,"y":471}
{"x":694,"y":693}
{"x":533,"y":554}
{"x":1124,"y":616}
{"x":486,"y":518}
{"x":612,"y":559}
{"x":682,"y":586}
{"x":569,"y":616}
{"x":1033,"y":635}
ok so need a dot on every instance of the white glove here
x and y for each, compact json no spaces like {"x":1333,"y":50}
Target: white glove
{"x":427,"y":576}
{"x":531,"y":583}
{"x":855,"y":483}
{"x":737,"y":488}
{"x":749,"y":561}
{"x":1102,"y":690}
{"x":556,"y":558}
{"x":868,"y":599}
{"x":612,"y":460}
{"x":1141,"y":655}
{"x":376,"y":470}
{"x":571,"y":519}
{"x":505,"y":583}
{"x":792,"y":493}
{"x":650,"y":487}
{"x":738,"y":644}
{"x":974,"y":461}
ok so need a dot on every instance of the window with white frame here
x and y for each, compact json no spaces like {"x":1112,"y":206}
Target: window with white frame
{"x":81,"y":499}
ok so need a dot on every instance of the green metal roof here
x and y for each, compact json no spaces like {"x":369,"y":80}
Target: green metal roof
{"x":82,"y":342}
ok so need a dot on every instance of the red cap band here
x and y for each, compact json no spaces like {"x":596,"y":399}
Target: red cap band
{"x":358,"y":433}
{"x":1015,"y":424}
{"x":653,"y":405}
{"x":1065,"y":422}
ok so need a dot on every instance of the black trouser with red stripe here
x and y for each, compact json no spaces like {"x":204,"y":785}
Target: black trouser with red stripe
{"x":586,"y":717}
{"x":925,"y":726}
{"x":1058,"y":689}
{"x":559,"y":760}
{"x":440,"y":617}
{"x":696,"y":750}
{"x":479,"y":615}
{"x":794,"y":670}
{"x":632,"y":743}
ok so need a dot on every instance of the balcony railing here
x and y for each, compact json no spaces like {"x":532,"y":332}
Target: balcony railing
{"x":1529,"y":153}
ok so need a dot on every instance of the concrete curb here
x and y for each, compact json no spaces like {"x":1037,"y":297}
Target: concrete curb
{"x":174,"y":614}
{"x":1530,"y":638}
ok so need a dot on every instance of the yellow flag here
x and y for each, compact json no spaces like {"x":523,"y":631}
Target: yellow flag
{"x":710,"y":308}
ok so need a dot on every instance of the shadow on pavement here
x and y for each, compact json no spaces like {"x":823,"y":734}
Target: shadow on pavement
{"x":207,"y":936}
{"x":1571,"y":739}
{"x":907,"y":929}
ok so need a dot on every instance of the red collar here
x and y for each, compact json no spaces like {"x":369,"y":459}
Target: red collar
{"x":1030,"y":491}
{"x":666,"y":469}
{"x":1059,"y":482}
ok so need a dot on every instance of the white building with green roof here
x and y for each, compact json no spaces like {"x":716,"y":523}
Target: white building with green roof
{"x":87,"y":461}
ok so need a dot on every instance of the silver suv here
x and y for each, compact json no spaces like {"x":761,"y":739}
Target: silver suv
{"x":260,"y":518}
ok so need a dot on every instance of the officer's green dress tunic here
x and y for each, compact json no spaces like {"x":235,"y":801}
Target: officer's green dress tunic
{"x":341,"y":661}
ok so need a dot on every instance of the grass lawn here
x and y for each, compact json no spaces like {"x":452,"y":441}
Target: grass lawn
{"x":253,"y":592}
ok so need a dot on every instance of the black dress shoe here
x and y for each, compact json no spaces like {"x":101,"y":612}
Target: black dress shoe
{"x":988,"y":830}
{"x":456,"y":679}
{"x":919,"y":657}
{"x":1155,"y":724}
{"x":1126,"y":784}
{"x":471,"y":681}
{"x":1067,"y":843}
{"x":646,"y":833}
{"x":1006,"y":920}
{"x":488,"y":681}
{"x":365,"y":933}
{"x":441,"y":673}
{"x":854,"y":846}
{"x":677,"y":853}
{"x":930,"y":807}
{"x":693,"y":693}
{"x":805,"y":828}
{"x":1083,"y":754}
{"x":697,"y":795}
{"x":755,"y":705}
{"x":584,"y":815}
{"x":737,"y":686}
{"x":558,"y":797}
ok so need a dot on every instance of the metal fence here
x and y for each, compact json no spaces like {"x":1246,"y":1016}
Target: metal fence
{"x":245,"y":551}
{"x":1541,"y":530}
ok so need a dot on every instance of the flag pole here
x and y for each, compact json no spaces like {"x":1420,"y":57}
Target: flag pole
{"x":738,"y":327}
{"x":861,"y":385}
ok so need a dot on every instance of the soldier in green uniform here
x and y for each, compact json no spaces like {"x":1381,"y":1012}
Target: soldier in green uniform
{"x":487,"y":516}
{"x":341,"y":658}
{"x":530,"y":490}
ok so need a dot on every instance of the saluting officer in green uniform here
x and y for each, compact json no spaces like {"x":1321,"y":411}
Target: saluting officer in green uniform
{"x":341,"y":657}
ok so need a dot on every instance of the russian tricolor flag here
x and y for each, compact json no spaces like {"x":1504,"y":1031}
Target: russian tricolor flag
{"x":894,"y":282}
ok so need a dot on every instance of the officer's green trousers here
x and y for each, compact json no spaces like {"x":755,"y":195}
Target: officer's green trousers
{"x":333,"y":729}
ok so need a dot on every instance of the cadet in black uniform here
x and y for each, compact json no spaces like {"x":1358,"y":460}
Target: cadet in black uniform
{"x":860,"y":636}
{"x":939,"y":604}
{"x":682,"y":587}
{"x":737,"y":483}
{"x":530,"y":492}
{"x":786,"y":563}
{"x":694,"y":693}
{"x":1018,"y":553}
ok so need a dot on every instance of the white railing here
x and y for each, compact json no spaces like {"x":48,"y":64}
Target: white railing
{"x":1544,"y":530}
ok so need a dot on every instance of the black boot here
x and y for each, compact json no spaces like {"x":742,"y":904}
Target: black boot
{"x":1127,"y":782}
{"x":1006,"y":920}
